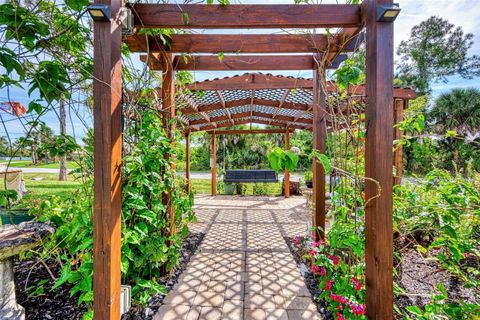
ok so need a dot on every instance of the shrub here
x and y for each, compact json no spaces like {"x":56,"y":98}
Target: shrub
{"x":260,"y":189}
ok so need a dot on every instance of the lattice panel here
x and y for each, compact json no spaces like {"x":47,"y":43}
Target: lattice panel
{"x":232,"y":95}
{"x":270,"y":94}
{"x":300,"y":96}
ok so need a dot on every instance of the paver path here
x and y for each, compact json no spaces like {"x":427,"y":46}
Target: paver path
{"x":243,"y":268}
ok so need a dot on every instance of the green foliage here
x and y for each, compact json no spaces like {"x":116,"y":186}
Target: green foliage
{"x":436,"y":49}
{"x":281,"y":160}
{"x":308,"y":176}
{"x":260,"y":189}
{"x":323,"y":159}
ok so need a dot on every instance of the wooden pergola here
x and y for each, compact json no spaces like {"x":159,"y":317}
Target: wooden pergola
{"x":315,"y":52}
{"x":265,"y":99}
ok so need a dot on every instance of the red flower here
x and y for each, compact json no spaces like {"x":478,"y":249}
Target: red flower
{"x":335,"y":260}
{"x":340,"y":316}
{"x":357,"y":309}
{"x":316,"y":269}
{"x":297,"y":240}
{"x":328,"y":285}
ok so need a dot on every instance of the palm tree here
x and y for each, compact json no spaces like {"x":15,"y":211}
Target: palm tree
{"x":458,"y":110}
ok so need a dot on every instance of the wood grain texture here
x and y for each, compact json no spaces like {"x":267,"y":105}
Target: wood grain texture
{"x":168,"y":114}
{"x":107,"y":112}
{"x":378,"y":165}
{"x":400,"y":105}
{"x":319,"y":143}
{"x":287,"y":173}
{"x":187,"y":161}
{"x":246,"y":16}
{"x":213,"y":138}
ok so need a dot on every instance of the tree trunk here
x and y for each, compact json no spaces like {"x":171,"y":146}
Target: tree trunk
{"x":63,"y":132}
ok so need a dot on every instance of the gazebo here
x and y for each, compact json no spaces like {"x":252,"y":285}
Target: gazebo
{"x":251,"y":98}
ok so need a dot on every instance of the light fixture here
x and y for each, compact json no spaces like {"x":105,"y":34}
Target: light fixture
{"x":127,"y":21}
{"x":388,"y":13}
{"x":100,"y":12}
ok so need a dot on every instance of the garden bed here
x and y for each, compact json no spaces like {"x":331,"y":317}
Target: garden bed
{"x":41,"y":304}
{"x":417,"y":276}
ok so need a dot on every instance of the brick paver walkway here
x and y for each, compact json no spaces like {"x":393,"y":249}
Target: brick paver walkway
{"x":243,"y":268}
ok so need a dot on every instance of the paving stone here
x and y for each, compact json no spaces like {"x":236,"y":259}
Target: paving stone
{"x":243,"y":268}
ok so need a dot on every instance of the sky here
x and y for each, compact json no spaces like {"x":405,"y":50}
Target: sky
{"x":464,"y":13}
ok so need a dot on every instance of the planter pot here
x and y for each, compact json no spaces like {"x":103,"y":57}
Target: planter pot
{"x":18,"y":216}
{"x":309,"y":184}
{"x":229,"y":188}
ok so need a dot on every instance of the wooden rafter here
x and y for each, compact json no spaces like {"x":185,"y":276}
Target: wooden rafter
{"x":281,"y":102}
{"x":246,"y":102}
{"x":222,"y":101}
{"x":246,"y":16}
{"x":250,"y":131}
{"x":250,"y":115}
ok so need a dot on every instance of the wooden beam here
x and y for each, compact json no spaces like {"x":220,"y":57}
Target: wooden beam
{"x":319,"y":106}
{"x":286,"y":178}
{"x":194,"y":16}
{"x":168,"y":107}
{"x":245,"y":120}
{"x":241,"y":62}
{"x":398,"y":154}
{"x":246,"y":114}
{"x":187,"y":161}
{"x":107,"y":114}
{"x":213,"y":138}
{"x":251,"y":131}
{"x":246,"y":102}
{"x":250,"y":81}
{"x":378,"y":165}
{"x":261,"y":81}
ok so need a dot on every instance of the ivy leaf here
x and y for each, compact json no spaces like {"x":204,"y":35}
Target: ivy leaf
{"x":221,"y":55}
{"x":323,"y":160}
{"x":185,"y":18}
{"x":77,"y":5}
{"x":35,"y":106}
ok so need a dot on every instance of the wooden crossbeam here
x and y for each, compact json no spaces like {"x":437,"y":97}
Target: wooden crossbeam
{"x":251,"y":114}
{"x":281,"y":102}
{"x":246,"y":102}
{"x":251,"y":131}
{"x":260,"y":81}
{"x":247,"y":120}
{"x":238,"y":43}
{"x":193,"y":16}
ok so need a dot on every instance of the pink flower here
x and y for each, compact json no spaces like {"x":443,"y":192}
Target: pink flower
{"x":357,"y":284}
{"x":323,"y":272}
{"x":357,"y":309}
{"x":466,"y":255}
{"x":312,"y":252}
{"x":297,"y":240}
{"x":328,"y":285}
{"x":315,"y":244}
{"x":340,"y":316}
{"x":316,"y":269}
{"x":335,"y":260}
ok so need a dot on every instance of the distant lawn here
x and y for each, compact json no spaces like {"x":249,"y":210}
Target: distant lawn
{"x":28,"y":164}
{"x":204,"y":186}
{"x":43,"y":189}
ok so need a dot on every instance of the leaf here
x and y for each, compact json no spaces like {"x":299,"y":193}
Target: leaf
{"x":221,"y":55}
{"x":77,"y":5}
{"x":415,"y":310}
{"x":323,"y":160}
{"x":185,"y":18}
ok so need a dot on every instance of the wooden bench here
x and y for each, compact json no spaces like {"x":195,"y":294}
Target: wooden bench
{"x":245,"y":176}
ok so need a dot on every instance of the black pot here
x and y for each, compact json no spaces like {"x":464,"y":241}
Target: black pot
{"x":309,"y":184}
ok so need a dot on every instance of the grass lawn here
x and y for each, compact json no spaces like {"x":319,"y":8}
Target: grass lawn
{"x":28,"y":163}
{"x":204,"y":186}
{"x":43,"y":189}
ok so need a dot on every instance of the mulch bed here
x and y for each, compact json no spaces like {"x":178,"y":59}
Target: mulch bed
{"x":416,"y":275}
{"x":57,"y":304}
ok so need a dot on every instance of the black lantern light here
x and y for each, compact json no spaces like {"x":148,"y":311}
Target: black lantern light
{"x":388,"y":13}
{"x":100,"y":12}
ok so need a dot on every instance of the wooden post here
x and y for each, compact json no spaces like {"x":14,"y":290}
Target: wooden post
{"x":287,"y":173}
{"x":168,"y":108}
{"x":378,"y":164}
{"x":107,"y":113}
{"x":187,"y":160}
{"x":213,"y":136}
{"x":398,"y":154}
{"x":319,"y":143}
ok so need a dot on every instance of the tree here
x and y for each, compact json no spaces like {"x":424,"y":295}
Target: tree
{"x":458,"y":110}
{"x":435,"y":50}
